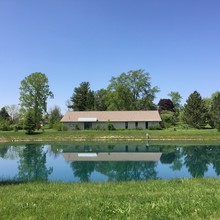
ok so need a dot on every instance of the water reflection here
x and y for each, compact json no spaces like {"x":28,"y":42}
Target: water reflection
{"x":32,"y":165}
{"x":107,"y":162}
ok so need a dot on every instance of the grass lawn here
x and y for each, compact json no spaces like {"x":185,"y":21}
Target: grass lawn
{"x":159,"y":199}
{"x":88,"y":135}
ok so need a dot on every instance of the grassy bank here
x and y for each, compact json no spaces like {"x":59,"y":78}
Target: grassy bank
{"x":90,"y":135}
{"x":161,"y":199}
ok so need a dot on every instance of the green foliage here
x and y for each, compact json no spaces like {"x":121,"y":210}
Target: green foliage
{"x":215,"y":111}
{"x":60,"y":126}
{"x":101,"y":100}
{"x":29,"y":123}
{"x":195,"y":111}
{"x":131,"y":91}
{"x":83,"y":98}
{"x":54,"y":116}
{"x":5,"y":125}
{"x":110,"y":127}
{"x":168,"y":119}
{"x":4,"y":114}
{"x":34,"y":92}
{"x":155,"y":127}
{"x":176,"y":99}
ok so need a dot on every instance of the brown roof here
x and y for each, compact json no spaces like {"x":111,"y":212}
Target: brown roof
{"x":115,"y":116}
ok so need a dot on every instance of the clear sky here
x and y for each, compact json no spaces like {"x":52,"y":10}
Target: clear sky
{"x":71,"y":41}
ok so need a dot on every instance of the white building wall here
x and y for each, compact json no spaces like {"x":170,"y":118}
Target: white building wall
{"x":117,"y":125}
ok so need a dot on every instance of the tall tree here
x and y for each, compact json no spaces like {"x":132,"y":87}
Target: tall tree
{"x":195,"y":112}
{"x":176,"y":99}
{"x":32,"y":165}
{"x":215,"y":111}
{"x":101,"y":100}
{"x":34,"y":92}
{"x":82,"y":98}
{"x":136,"y":90}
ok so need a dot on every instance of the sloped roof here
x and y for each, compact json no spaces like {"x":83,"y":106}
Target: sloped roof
{"x":114,"y":116}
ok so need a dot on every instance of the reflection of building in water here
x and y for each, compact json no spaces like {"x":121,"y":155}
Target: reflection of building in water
{"x":112,"y":148}
{"x":113,"y":156}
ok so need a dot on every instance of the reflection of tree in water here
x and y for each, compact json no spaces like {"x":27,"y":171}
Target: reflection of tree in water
{"x":33,"y":163}
{"x":3,"y":151}
{"x":215,"y":158}
{"x":196,"y":160}
{"x":127,"y":171}
{"x":83,"y":169}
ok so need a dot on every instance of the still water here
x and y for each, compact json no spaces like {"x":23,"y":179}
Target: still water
{"x":99,"y":162}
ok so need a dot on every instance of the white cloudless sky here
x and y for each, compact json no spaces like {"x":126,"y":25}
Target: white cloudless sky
{"x":72,"y":41}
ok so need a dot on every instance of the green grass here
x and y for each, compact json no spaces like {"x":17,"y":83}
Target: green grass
{"x":160,"y":199}
{"x":88,"y":135}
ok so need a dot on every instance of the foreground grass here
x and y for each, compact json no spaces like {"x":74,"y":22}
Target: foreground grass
{"x":88,"y":135}
{"x":161,"y":199}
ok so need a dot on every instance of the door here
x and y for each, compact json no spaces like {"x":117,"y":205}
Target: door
{"x":87,"y":125}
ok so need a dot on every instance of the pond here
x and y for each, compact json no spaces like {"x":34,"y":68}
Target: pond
{"x":100,"y":162}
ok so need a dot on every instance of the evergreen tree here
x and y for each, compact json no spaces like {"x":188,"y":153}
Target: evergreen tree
{"x":29,"y":124}
{"x":195,"y":112}
{"x":83,"y":98}
{"x":4,"y":114}
{"x":215,"y":111}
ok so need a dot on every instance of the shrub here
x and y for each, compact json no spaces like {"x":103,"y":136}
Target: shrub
{"x":156,"y":127}
{"x":110,"y":127}
{"x":60,"y":127}
{"x":5,"y":125}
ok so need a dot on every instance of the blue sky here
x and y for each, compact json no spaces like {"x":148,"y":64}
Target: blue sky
{"x":71,"y":41}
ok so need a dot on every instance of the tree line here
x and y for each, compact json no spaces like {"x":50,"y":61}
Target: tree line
{"x":128,"y":91}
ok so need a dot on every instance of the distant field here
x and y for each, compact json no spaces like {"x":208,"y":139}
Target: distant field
{"x":93,"y":135}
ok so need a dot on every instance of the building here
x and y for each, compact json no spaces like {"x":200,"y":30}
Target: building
{"x":119,"y":119}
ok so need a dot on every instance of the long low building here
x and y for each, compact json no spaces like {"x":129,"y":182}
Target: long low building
{"x":119,"y":119}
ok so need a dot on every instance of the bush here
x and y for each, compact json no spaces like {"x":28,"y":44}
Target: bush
{"x":110,"y":127}
{"x":156,"y":127}
{"x":60,"y":127}
{"x":5,"y":125}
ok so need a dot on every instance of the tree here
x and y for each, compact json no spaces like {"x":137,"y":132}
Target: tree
{"x":101,"y":100}
{"x":176,"y":99}
{"x":32,"y":164}
{"x":34,"y":92}
{"x":29,"y":123}
{"x":133,"y":89}
{"x":4,"y":114}
{"x":166,"y":105}
{"x":215,"y":111}
{"x":13,"y":111}
{"x":82,"y":98}
{"x":54,"y":116}
{"x":195,"y":112}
